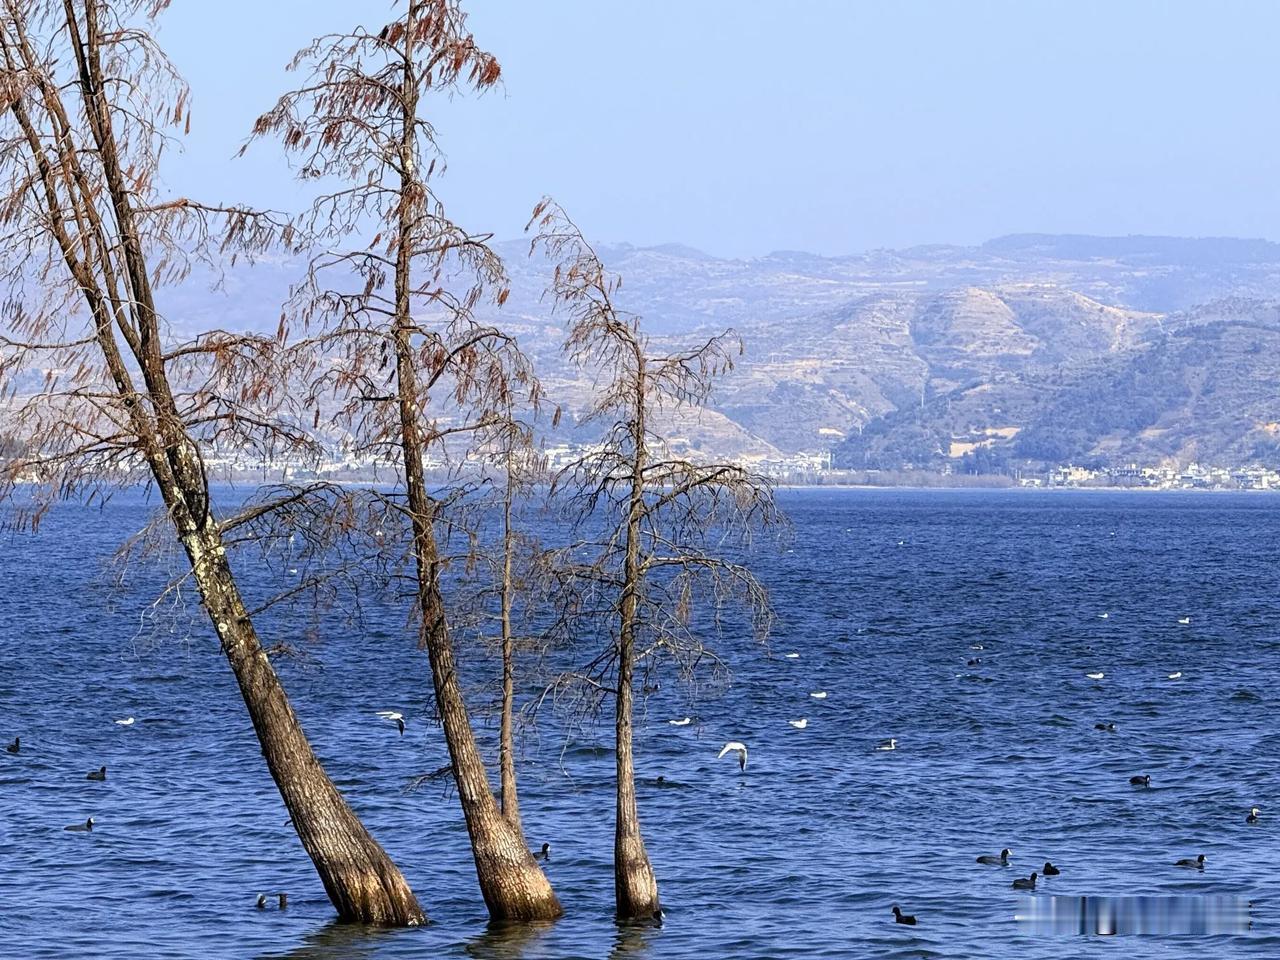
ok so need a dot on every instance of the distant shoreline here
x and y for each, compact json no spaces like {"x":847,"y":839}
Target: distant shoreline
{"x":991,"y":488}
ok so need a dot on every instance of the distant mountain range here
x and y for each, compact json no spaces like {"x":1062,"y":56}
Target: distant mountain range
{"x":1031,"y":347}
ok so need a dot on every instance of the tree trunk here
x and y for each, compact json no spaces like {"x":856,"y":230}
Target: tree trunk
{"x":363,"y":883}
{"x":513,"y":887}
{"x":635,"y":886}
{"x":359,"y":877}
{"x":506,"y":735}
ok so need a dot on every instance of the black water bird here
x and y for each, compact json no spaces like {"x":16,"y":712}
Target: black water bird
{"x":284,"y":900}
{"x":1196,"y":864}
{"x":1000,"y":861}
{"x":99,"y":774}
{"x":973,"y":662}
{"x":900,"y":917}
{"x":544,"y":853}
{"x":1253,"y":815}
{"x":85,"y":827}
{"x":1026,"y":883}
{"x":15,"y":747}
{"x":1050,"y":870}
{"x":1109,"y":727}
{"x":262,"y":901}
{"x":1142,"y":781}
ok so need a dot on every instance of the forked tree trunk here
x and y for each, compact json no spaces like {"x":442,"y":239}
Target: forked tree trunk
{"x":363,"y":883}
{"x":635,"y":885}
{"x":513,"y":887}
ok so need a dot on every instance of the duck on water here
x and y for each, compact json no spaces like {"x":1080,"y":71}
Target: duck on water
{"x":1000,"y":861}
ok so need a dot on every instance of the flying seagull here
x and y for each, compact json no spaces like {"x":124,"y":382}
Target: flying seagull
{"x":398,"y":718}
{"x":733,"y":746}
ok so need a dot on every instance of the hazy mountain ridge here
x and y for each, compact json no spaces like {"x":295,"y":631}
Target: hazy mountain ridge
{"x":1027,"y":347}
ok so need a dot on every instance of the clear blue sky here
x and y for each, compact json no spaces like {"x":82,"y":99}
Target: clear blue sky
{"x":745,"y":126}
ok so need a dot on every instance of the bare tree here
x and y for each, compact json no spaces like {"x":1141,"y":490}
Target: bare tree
{"x":98,"y":392}
{"x":661,"y":512}
{"x":411,"y":371}
{"x":520,"y":467}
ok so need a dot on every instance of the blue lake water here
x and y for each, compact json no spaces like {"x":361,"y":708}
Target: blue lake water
{"x":882,"y":593}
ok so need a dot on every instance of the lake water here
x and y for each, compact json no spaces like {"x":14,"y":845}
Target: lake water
{"x":882,"y":593}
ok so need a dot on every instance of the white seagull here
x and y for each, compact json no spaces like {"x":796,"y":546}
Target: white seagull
{"x":681,"y":723}
{"x":733,"y":746}
{"x":890,"y":744}
{"x":1175,"y":676}
{"x":126,"y":722}
{"x":799,"y":724}
{"x":1104,"y":616}
{"x":1095,"y":676}
{"x":396,"y":718}
{"x":792,"y":656}
{"x":1184,"y":620}
{"x":819,"y":694}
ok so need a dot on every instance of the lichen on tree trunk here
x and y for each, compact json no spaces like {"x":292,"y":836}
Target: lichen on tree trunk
{"x":362,"y":882}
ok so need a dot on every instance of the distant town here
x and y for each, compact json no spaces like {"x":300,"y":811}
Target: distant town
{"x":804,"y":469}
{"x":816,"y":469}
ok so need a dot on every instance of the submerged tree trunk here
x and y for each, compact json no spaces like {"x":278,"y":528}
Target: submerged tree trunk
{"x":634,"y":882}
{"x":363,"y":883}
{"x":506,"y":733}
{"x":107,"y":263}
{"x":513,"y":886}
